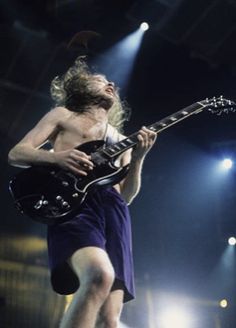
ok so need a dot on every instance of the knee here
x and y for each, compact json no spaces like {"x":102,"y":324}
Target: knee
{"x":99,"y":281}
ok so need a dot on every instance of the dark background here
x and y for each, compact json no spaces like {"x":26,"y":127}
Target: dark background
{"x":185,"y":211}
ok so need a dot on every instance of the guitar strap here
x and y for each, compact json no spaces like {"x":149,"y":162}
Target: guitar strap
{"x":111,"y":135}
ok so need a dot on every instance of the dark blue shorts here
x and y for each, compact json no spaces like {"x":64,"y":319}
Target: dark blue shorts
{"x":103,"y":221}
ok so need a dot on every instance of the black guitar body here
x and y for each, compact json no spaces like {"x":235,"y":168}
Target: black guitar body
{"x":49,"y":194}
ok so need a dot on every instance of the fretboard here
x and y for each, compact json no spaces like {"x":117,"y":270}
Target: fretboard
{"x":129,"y":142}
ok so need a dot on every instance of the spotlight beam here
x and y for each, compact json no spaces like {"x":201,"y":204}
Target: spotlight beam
{"x":117,"y":63}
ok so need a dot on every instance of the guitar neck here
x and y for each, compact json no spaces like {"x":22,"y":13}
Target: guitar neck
{"x":129,"y":142}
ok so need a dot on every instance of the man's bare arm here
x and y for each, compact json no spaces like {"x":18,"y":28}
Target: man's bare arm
{"x":27,"y":151}
{"x":130,"y":186}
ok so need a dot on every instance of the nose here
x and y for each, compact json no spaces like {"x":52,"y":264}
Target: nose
{"x":112,"y":84}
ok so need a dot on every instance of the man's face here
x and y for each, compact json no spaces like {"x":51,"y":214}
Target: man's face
{"x":100,"y":87}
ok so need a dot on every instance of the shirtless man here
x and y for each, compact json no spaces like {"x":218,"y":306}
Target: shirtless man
{"x":93,"y":250}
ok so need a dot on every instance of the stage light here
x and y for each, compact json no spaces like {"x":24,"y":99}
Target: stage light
{"x":232,"y":241}
{"x":68,"y":300}
{"x":144,"y":26}
{"x":175,"y":317}
{"x":223,"y":303}
{"x":227,"y":163}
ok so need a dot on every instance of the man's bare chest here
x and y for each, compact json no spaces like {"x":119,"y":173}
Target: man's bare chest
{"x":76,"y":131}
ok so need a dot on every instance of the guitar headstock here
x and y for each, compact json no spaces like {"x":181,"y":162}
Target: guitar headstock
{"x":219,"y":105}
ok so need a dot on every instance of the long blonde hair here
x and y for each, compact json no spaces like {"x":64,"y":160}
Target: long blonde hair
{"x":70,"y":91}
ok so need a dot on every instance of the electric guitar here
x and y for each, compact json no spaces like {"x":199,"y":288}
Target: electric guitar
{"x":50,"y":194}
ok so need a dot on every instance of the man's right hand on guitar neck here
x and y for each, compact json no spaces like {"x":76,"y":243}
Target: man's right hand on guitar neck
{"x":74,"y":160}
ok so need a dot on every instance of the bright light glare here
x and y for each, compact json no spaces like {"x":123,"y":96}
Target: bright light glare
{"x":232,"y":241}
{"x":223,"y":303}
{"x":177,"y":318}
{"x":144,"y":26}
{"x":227,"y":163}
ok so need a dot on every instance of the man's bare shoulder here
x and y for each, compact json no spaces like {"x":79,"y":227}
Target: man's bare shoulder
{"x":59,"y":113}
{"x":55,"y":117}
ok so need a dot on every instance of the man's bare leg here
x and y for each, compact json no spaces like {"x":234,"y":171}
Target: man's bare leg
{"x":110,"y":312}
{"x":96,"y":276}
